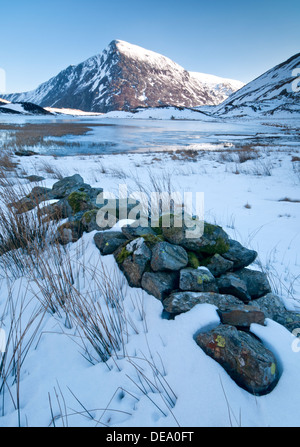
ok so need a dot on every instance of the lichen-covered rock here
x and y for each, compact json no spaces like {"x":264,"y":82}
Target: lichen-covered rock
{"x":179,"y":302}
{"x":239,"y":255}
{"x":132,"y":232}
{"x":79,"y":201}
{"x":251,"y":365}
{"x":197,"y":280}
{"x":109,"y":241}
{"x":218,"y":265}
{"x":119,"y":208}
{"x":89,"y":221}
{"x":166,"y":256}
{"x":269,"y":304}
{"x":233,"y":285}
{"x":241,"y":316}
{"x":213,"y":240}
{"x":66,"y":186}
{"x":159,"y":284}
{"x":133,"y":259}
{"x":273,"y":308}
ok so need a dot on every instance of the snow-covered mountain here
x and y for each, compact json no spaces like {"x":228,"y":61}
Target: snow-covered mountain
{"x":274,"y":92}
{"x":125,"y":77}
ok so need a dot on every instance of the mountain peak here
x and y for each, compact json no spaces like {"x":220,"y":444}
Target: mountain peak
{"x":126,"y":76}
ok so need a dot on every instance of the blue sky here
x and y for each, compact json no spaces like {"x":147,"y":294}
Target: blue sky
{"x":234,"y":39}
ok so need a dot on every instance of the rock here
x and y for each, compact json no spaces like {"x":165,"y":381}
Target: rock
{"x":25,"y":153}
{"x":241,"y":316}
{"x":34,"y":178}
{"x":257,"y":282}
{"x":269,"y":304}
{"x":233,"y":285}
{"x":132,"y":232}
{"x":159,"y":284}
{"x":214,"y":239}
{"x":23,"y":205}
{"x":69,"y":232}
{"x":40,"y":194}
{"x":273,"y":308}
{"x":290,"y":320}
{"x":33,"y":199}
{"x":79,"y":201}
{"x":218,"y":265}
{"x":57,"y":211}
{"x":239,"y":255}
{"x":66,"y":186}
{"x":109,"y":241}
{"x":197,"y":280}
{"x":179,"y":302}
{"x":166,"y":256}
{"x":119,"y":208}
{"x":251,"y":365}
{"x":89,"y":221}
{"x":133,"y":259}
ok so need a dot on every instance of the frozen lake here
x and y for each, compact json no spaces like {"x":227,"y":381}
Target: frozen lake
{"x":96,"y":135}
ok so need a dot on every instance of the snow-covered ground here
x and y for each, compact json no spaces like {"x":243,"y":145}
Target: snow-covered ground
{"x":160,"y":377}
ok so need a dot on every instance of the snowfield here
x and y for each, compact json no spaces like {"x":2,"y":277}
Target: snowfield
{"x":160,"y":377}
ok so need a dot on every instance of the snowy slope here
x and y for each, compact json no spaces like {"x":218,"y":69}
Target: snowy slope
{"x":223,"y":87}
{"x":23,"y":108}
{"x":272,"y":92}
{"x":125,"y":77}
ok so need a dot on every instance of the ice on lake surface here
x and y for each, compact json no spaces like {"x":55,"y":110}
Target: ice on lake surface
{"x":127,"y":135}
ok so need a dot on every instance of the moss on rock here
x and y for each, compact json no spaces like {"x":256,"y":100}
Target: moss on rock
{"x":78,"y":201}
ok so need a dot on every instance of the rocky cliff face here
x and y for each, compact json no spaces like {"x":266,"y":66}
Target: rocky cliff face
{"x":125,"y":77}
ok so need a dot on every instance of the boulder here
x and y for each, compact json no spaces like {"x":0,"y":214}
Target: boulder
{"x":197,"y":280}
{"x":166,"y":256}
{"x":119,"y":208}
{"x":23,"y":205}
{"x":132,"y":232}
{"x":109,"y":241}
{"x":270,"y":305}
{"x":133,"y":259}
{"x":218,"y":265}
{"x":159,"y":284}
{"x":179,"y":302}
{"x":213,"y":240}
{"x":241,"y":316}
{"x":57,"y":211}
{"x":40,"y":194}
{"x":233,"y":285}
{"x":239,"y":255}
{"x":34,"y":178}
{"x":37,"y":195}
{"x":66,"y":186}
{"x":79,"y":201}
{"x":69,"y":232}
{"x":246,"y":360}
{"x":257,"y":282}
